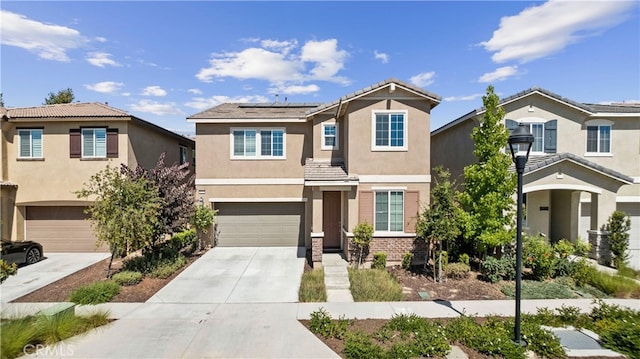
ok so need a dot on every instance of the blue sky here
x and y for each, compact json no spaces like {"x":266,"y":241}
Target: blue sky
{"x":163,"y":61}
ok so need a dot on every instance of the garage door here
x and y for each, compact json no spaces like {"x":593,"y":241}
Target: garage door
{"x":61,"y":229}
{"x":633,"y":210}
{"x":260,"y":224}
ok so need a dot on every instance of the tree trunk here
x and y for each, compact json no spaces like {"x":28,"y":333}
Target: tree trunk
{"x":113,"y":253}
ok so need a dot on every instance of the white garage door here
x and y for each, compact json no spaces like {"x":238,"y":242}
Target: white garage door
{"x":260,"y":224}
{"x":61,"y":229}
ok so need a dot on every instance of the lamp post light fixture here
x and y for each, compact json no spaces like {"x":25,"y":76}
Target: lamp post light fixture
{"x":520,"y":142}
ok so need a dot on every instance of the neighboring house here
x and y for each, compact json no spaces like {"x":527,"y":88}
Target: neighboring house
{"x":584,"y":164}
{"x":296,"y":174}
{"x":49,"y":152}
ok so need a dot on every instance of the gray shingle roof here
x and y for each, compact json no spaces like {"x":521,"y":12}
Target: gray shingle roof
{"x":616,"y":108}
{"x":318,"y":170}
{"x":78,"y":109}
{"x":538,"y":162}
{"x":374,"y":87}
{"x":256,"y":110}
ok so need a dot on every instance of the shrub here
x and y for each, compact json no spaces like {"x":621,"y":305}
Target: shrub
{"x":538,"y":255}
{"x":618,"y":286}
{"x":563,"y":248}
{"x":362,"y":236}
{"x":312,"y":287}
{"x":370,"y":285}
{"x":7,"y":270}
{"x":95,"y":293}
{"x":464,"y":258}
{"x":581,"y":271}
{"x":359,"y":345}
{"x":457,"y":271}
{"x":321,"y":323}
{"x":619,"y":328}
{"x":379,"y":260}
{"x":494,"y":270}
{"x":166,"y":267}
{"x":406,"y":260}
{"x":628,"y":272}
{"x":540,"y":290}
{"x":183,"y":240}
{"x":618,"y":227}
{"x":127,"y":277}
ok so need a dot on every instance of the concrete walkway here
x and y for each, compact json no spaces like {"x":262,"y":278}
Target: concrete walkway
{"x":256,"y":330}
{"x":336,"y":278}
{"x":53,"y":267}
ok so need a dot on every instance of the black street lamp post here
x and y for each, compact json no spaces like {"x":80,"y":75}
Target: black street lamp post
{"x":520,"y":139}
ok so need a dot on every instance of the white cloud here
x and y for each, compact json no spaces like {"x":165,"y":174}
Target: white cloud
{"x":202,"y":103}
{"x":542,"y":30}
{"x":101,"y":59}
{"x":500,"y":74}
{"x":276,"y":63}
{"x":384,"y":58}
{"x":156,"y":108}
{"x":49,"y":42}
{"x":154,"y":91}
{"x":463,"y":98}
{"x":101,"y":39}
{"x":295,"y":89}
{"x":424,"y":79}
{"x":195,"y":91}
{"x":105,"y":86}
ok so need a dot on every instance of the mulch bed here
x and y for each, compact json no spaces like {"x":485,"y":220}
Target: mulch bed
{"x":60,"y":290}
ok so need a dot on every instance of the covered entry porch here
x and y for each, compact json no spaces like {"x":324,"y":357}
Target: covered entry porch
{"x":556,"y":188}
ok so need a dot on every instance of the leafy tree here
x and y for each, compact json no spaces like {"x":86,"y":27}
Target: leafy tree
{"x":202,"y":220}
{"x":618,"y":227}
{"x":63,"y":96}
{"x":1,"y":100}
{"x":175,"y":188}
{"x":441,"y":221}
{"x":362,"y":236}
{"x":125,"y":212}
{"x":488,"y":184}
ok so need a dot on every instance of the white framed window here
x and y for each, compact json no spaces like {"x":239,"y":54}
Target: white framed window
{"x":598,"y":138}
{"x":329,"y":136}
{"x":389,"y":211}
{"x":94,"y":142}
{"x":389,"y":130}
{"x":257,"y":143}
{"x":30,"y":143}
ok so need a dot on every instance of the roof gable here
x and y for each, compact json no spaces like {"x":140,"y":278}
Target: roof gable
{"x":77,"y":109}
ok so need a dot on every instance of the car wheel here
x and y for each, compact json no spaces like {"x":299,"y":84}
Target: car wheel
{"x":33,"y":256}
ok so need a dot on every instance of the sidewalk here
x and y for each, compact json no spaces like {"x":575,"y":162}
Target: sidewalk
{"x":256,"y":330}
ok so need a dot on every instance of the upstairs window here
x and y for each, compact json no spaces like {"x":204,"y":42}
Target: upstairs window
{"x":389,"y":131}
{"x":599,"y":139}
{"x":183,"y":155}
{"x":329,"y":136}
{"x":258,"y":143}
{"x":30,"y":143}
{"x":389,"y":211}
{"x":544,"y":135}
{"x":94,"y":142}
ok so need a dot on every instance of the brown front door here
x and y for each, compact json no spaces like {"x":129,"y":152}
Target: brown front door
{"x":331,"y":219}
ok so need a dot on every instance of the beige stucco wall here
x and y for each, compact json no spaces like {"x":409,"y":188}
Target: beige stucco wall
{"x":537,"y":215}
{"x":318,"y":152}
{"x":146,"y":144}
{"x":213,"y":153}
{"x":453,"y":149}
{"x":363,"y":161}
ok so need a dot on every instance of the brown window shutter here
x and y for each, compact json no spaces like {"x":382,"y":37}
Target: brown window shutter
{"x":411,"y":205}
{"x":112,"y":143}
{"x":75,"y":143}
{"x":365,"y":207}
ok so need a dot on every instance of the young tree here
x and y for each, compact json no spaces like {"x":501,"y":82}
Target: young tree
{"x":175,"y":188}
{"x":362,"y":236}
{"x":125,"y":211}
{"x":202,"y":220}
{"x":618,"y":227}
{"x":63,"y":96}
{"x":441,"y":221}
{"x":1,"y":100}
{"x":488,"y":184}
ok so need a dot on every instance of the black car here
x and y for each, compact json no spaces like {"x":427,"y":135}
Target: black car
{"x":28,"y":252}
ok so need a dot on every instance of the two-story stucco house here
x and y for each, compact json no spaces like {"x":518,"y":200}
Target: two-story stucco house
{"x":299,"y":174}
{"x":49,"y":152}
{"x":584,"y":163}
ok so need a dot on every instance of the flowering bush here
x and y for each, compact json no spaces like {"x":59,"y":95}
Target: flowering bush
{"x":539,"y":256}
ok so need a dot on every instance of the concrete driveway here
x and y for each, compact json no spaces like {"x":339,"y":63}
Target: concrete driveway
{"x":55,"y":266}
{"x":238,"y":275}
